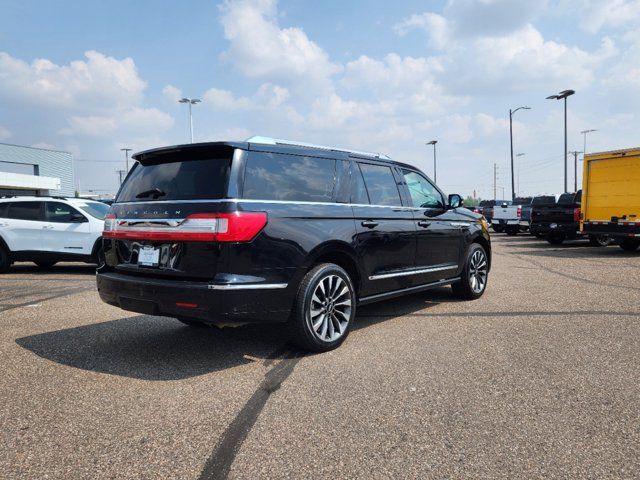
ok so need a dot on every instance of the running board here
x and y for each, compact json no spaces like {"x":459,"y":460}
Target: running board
{"x":404,"y":291}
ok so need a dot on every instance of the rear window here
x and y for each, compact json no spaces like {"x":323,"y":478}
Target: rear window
{"x":181,"y":180}
{"x":567,"y":199}
{"x":544,"y":200}
{"x":272,"y":176}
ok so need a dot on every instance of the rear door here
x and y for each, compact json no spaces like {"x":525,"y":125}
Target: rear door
{"x":385,"y":229}
{"x":25,"y":226}
{"x":63,"y":235}
{"x":439,"y":236}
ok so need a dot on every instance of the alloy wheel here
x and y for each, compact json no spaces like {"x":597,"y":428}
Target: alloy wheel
{"x":478,"y":270}
{"x":329,"y":310}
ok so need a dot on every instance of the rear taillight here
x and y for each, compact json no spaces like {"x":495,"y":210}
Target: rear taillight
{"x":198,"y":227}
{"x":519,"y":212}
{"x":576,"y":215}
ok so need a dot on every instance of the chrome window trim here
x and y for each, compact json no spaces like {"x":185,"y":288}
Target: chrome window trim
{"x":418,"y":271}
{"x":249,"y":286}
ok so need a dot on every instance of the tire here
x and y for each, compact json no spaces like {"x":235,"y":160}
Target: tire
{"x":191,"y":323}
{"x":512,"y":232}
{"x":324,"y":310}
{"x":599,"y":240}
{"x":630,"y":244}
{"x":98,"y":257}
{"x":5,"y":259}
{"x":475,"y":274}
{"x":497,"y":228}
{"x":45,"y":265}
{"x":555,"y":239}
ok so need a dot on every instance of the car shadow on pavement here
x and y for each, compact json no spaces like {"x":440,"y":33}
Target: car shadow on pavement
{"x":160,"y":349}
{"x":62,"y":268}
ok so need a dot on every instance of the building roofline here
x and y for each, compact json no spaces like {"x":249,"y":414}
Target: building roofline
{"x":35,"y":148}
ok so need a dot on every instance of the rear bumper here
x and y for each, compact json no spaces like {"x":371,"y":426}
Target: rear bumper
{"x":569,"y":230}
{"x":214,"y":303}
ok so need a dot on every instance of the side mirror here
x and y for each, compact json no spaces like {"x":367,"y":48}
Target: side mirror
{"x":455,"y":201}
{"x":78,"y":218}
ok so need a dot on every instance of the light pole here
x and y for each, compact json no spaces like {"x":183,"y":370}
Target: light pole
{"x":126,"y":156}
{"x":518,"y":189}
{"x":435,"y":175}
{"x":513,"y":183}
{"x":584,"y":132}
{"x":190,"y":101}
{"x":563,"y":96}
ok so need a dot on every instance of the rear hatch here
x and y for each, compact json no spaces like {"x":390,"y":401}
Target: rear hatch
{"x":170,"y":218}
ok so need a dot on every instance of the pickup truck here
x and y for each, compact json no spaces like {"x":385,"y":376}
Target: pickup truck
{"x":509,"y":218}
{"x":611,"y":202}
{"x":486,"y":208}
{"x":557,"y":218}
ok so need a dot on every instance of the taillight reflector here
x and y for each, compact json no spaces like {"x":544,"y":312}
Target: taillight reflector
{"x":576,"y":215}
{"x":197,"y":227}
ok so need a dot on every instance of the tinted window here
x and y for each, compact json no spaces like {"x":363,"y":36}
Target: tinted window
{"x":544,"y":200}
{"x":4,"y":207}
{"x":26,"y":211}
{"x":566,"y":199}
{"x":381,"y":185}
{"x":59,"y":212}
{"x":423,"y":194}
{"x":182,"y":180}
{"x":270,"y":176}
{"x":358,"y":188}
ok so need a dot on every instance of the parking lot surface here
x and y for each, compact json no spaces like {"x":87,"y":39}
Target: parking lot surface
{"x":538,"y":378}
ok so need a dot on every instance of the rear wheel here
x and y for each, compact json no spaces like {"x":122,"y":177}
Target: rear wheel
{"x":512,"y":231}
{"x":45,"y":265}
{"x":600,"y":240}
{"x":555,"y":239}
{"x":5,"y":260}
{"x":498,"y":228}
{"x":630,"y":244}
{"x":474,"y":275}
{"x":324,"y":310}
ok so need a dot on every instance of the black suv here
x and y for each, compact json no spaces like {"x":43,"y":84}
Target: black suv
{"x":271,"y":231}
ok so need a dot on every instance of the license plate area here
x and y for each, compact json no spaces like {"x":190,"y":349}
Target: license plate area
{"x":148,"y":256}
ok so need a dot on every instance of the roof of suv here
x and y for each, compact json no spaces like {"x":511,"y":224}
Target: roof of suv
{"x":264,"y":144}
{"x":31,"y":198}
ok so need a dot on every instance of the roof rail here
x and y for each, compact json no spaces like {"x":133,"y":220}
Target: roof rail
{"x":276,"y":141}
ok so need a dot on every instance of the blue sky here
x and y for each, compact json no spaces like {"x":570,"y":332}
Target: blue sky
{"x":91,"y":77}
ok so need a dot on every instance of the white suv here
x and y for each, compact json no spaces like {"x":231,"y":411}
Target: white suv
{"x":46,"y":230}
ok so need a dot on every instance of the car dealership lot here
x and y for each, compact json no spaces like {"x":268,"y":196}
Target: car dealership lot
{"x":539,"y":377}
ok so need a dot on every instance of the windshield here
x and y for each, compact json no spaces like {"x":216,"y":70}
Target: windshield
{"x":95,"y":209}
{"x":181,"y":180}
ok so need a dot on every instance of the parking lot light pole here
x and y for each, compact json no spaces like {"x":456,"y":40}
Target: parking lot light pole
{"x":435,"y":175}
{"x":584,"y":132}
{"x":126,"y":157}
{"x":513,"y":183}
{"x":190,"y":101}
{"x":518,"y":184}
{"x":563,"y":96}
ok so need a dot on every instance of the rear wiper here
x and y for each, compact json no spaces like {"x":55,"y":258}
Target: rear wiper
{"x":154,"y":192}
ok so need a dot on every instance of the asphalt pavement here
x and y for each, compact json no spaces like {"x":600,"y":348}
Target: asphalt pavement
{"x":537,"y":379}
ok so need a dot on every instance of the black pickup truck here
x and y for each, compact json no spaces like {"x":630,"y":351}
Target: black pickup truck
{"x":557,"y":218}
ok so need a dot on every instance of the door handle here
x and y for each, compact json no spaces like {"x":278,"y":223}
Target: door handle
{"x":423,"y":223}
{"x":369,"y":224}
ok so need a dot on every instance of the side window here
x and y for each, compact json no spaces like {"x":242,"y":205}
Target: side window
{"x":381,"y":185}
{"x":59,"y":212}
{"x":272,"y":176}
{"x":4,"y":209}
{"x":26,"y":211}
{"x":358,"y":188}
{"x":423,"y":193}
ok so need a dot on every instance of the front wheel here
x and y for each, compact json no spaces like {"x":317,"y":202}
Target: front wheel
{"x":324,"y":310}
{"x":630,"y":244}
{"x":475,"y":274}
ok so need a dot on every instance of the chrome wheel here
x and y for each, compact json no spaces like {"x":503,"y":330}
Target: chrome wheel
{"x":329,"y":310}
{"x":478,"y":269}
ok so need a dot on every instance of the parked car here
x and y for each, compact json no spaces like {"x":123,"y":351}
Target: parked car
{"x":525,"y":213}
{"x":507,"y":218}
{"x":612,"y":196}
{"x":560,"y":221}
{"x":274,"y":231}
{"x":538,"y":205}
{"x":488,"y":206}
{"x":47,"y":230}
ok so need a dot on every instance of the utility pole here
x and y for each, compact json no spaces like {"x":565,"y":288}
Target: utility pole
{"x":575,"y":169}
{"x":120,"y":175}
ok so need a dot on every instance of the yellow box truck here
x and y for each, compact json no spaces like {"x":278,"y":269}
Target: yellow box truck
{"x":611,"y":196}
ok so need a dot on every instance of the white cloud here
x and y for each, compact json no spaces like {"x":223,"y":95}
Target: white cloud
{"x":596,"y":15}
{"x":172,"y":93}
{"x":224,"y":100}
{"x":5,"y":134}
{"x":133,"y":121}
{"x":435,"y":25}
{"x":260,"y":48}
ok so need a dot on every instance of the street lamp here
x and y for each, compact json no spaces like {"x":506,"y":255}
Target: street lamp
{"x":190,"y":101}
{"x":563,"y":96}
{"x":513,"y":184}
{"x":518,"y":189}
{"x":435,"y":176}
{"x":584,"y":132}
{"x":126,"y":156}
